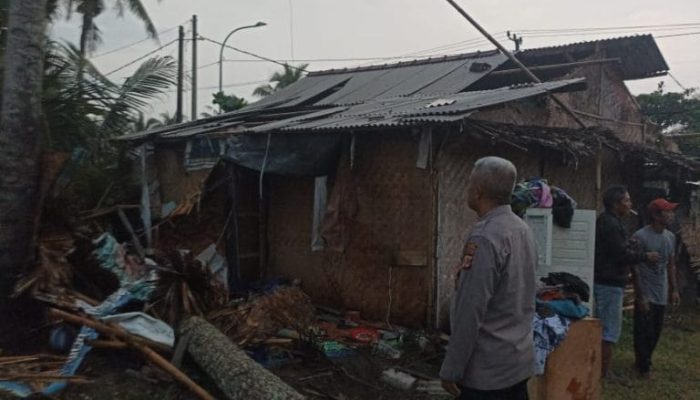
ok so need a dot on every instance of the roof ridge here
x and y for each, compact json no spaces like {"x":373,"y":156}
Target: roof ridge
{"x":418,"y":61}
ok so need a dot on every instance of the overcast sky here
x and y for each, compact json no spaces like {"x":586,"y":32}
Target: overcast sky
{"x":366,"y":29}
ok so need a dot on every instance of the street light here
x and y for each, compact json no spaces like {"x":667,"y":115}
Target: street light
{"x":221,"y":53}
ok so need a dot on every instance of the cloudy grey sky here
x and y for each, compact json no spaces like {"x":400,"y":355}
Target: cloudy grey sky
{"x":367,"y":29}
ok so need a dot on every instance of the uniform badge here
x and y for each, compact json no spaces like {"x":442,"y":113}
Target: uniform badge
{"x":467,"y":259}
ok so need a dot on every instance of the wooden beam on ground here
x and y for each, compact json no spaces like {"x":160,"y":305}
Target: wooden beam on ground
{"x":137,"y":344}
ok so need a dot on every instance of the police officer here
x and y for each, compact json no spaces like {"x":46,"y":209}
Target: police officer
{"x":490,"y":354}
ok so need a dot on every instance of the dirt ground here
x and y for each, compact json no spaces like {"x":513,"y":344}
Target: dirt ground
{"x":122,"y":375}
{"x":357,"y":377}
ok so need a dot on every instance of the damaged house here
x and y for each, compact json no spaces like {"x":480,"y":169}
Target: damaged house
{"x":354,"y":180}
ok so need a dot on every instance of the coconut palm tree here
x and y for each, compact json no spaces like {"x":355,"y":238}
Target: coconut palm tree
{"x":20,"y":127}
{"x":142,"y":124}
{"x":91,"y":9}
{"x":278,"y":80}
{"x":96,"y":107}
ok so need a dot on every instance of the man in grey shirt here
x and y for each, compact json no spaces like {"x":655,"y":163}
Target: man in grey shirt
{"x":653,"y":283}
{"x":490,"y":354}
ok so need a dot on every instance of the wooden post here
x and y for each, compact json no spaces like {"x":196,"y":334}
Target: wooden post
{"x":130,"y":229}
{"x":515,"y":61}
{"x":431,"y":315}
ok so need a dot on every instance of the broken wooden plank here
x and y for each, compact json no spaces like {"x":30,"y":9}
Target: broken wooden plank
{"x":137,"y":344}
{"x":130,"y":229}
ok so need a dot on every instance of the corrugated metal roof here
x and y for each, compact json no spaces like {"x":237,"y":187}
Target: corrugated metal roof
{"x":443,"y":77}
{"x":411,"y":110}
{"x":428,"y":76}
{"x":300,"y":91}
{"x":640,"y":56}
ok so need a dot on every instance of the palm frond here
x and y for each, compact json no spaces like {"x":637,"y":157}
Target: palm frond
{"x":263,"y":90}
{"x":151,"y":79}
{"x":138,"y":9}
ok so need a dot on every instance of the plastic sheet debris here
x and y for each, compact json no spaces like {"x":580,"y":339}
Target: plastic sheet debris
{"x":216,"y":264}
{"x":398,"y":379}
{"x":136,"y":276}
{"x":388,"y":349}
{"x":145,"y":326}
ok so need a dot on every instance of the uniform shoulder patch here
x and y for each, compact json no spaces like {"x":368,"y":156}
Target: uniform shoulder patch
{"x":466,"y":261}
{"x":468,"y":255}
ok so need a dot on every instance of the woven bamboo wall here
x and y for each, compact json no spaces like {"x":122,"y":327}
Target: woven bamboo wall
{"x":393,"y":215}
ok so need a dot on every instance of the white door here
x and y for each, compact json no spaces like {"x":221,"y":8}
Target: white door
{"x":569,"y":250}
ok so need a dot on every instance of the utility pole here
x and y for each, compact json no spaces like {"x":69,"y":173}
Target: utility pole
{"x":194,"y":68}
{"x":180,"y":73}
{"x":515,"y":61}
{"x":518,"y":40}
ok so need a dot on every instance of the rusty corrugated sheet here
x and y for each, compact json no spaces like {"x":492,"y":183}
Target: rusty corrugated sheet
{"x":412,"y":110}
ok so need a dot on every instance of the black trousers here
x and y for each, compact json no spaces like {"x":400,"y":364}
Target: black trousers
{"x":647,"y":331}
{"x":515,"y":392}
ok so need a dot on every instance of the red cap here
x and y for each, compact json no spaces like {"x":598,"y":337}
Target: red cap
{"x":662,"y":205}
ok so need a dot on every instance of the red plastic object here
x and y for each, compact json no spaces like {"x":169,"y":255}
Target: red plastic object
{"x":365,"y":335}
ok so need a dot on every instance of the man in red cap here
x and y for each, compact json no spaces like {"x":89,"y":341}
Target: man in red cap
{"x":654,"y":283}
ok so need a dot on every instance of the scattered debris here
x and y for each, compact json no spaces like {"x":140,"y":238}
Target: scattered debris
{"x":270,"y":327}
{"x":398,"y":379}
{"x":260,"y":318}
{"x":433,"y":388}
{"x":186,"y":287}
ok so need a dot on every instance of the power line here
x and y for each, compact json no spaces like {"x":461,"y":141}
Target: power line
{"x":239,"y":84}
{"x":126,"y":46}
{"x":553,"y":30}
{"x":141,"y":58}
{"x":678,"y":35}
{"x":459,"y":44}
{"x":252,"y":54}
{"x":593,"y":33}
{"x":339,"y":59}
{"x":677,"y":81}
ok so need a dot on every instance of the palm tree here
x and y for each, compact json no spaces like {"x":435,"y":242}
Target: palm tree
{"x":278,"y":80}
{"x":20,"y":127}
{"x":91,"y":9}
{"x":167,"y":119}
{"x":96,"y":107}
{"x":142,"y":124}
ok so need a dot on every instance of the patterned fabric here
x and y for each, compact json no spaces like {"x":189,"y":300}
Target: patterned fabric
{"x":548,"y":333}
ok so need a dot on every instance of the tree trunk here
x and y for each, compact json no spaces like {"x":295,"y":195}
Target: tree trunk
{"x":20,"y":132}
{"x":85,"y":32}
{"x":236,"y":374}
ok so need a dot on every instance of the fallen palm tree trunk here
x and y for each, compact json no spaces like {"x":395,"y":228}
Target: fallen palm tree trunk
{"x":236,"y":374}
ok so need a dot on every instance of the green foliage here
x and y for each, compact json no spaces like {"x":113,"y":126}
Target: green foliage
{"x":676,"y":361}
{"x":228,"y":102}
{"x":676,"y":112}
{"x":80,"y":112}
{"x":278,"y":80}
{"x":141,"y":124}
{"x":150,"y":80}
{"x":85,"y":109}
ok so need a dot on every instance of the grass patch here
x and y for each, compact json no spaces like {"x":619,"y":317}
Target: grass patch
{"x":676,"y":361}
